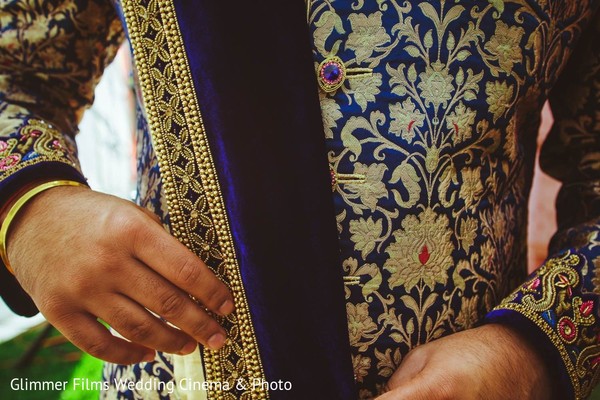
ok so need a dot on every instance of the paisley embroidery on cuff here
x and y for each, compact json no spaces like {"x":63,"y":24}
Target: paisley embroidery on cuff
{"x":555,"y":301}
{"x":35,"y":142}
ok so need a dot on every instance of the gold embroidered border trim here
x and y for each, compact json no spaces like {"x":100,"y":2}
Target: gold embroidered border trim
{"x":196,"y":208}
{"x":554,"y":338}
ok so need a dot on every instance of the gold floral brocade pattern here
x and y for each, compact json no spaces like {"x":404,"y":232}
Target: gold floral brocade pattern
{"x":432,"y":234}
{"x":52,"y":54}
{"x":561,"y":298}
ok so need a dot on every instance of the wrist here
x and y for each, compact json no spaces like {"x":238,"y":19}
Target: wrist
{"x":16,"y":205}
{"x":526,"y":360}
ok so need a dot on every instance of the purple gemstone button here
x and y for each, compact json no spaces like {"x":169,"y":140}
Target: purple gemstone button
{"x":332,"y":73}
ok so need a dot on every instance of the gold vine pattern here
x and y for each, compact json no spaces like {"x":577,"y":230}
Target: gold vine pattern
{"x":431,"y":235}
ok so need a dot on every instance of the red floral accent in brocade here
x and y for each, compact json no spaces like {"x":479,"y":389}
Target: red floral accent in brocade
{"x":567,"y":330}
{"x":424,"y":256}
{"x":456,"y":128}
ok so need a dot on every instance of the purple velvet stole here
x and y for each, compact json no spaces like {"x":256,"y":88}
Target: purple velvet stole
{"x":254,"y":76}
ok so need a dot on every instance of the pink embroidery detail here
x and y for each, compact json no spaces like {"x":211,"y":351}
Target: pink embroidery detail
{"x":533,"y":285}
{"x":3,"y":146}
{"x":563,"y":281}
{"x":586,"y":308}
{"x":33,"y":134}
{"x":333,"y":179}
{"x":10,"y":161}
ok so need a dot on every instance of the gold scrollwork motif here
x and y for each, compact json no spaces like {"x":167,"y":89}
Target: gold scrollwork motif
{"x":556,"y":272}
{"x":196,"y":206}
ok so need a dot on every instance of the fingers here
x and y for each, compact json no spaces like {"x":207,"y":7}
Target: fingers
{"x":85,"y":332}
{"x":136,"y":324}
{"x":411,"y":366}
{"x":159,"y":296}
{"x":420,"y":387}
{"x":171,"y":259}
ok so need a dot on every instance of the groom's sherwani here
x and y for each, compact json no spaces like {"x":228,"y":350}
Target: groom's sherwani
{"x":409,"y":126}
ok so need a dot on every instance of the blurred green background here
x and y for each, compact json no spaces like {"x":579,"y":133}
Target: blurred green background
{"x":56,"y":360}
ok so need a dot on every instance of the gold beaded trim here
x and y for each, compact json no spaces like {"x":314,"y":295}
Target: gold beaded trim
{"x":552,"y":335}
{"x":196,"y":207}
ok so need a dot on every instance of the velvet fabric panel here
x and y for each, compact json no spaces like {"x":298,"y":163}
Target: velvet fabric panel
{"x":254,"y":76}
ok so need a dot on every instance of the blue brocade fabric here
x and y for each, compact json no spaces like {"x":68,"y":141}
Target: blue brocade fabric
{"x":431,"y":141}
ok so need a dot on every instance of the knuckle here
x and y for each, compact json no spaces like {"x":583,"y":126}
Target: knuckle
{"x":133,"y":329}
{"x":97,"y":349}
{"x":189,"y":271}
{"x":82,"y":287}
{"x":202,"y":328}
{"x":119,"y":317}
{"x":125,"y":223}
{"x":171,"y":305}
{"x":416,"y":355}
{"x":140,"y":332}
{"x":215,"y":295}
{"x":51,"y":306}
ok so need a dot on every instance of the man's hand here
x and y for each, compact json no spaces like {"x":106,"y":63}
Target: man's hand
{"x":491,"y":362}
{"x":82,"y":255}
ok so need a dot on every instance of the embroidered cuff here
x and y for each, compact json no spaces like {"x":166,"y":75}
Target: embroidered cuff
{"x":555,"y":312}
{"x":34,"y":152}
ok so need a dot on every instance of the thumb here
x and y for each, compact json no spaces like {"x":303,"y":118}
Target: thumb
{"x":420,"y":387}
{"x":410,"y":367}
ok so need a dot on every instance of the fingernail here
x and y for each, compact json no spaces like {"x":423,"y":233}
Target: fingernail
{"x":226,"y":308}
{"x":188,"y":348}
{"x":216,"y":341}
{"x":149,"y":357}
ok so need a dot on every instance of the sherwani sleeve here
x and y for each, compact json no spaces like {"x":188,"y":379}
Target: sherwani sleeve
{"x":557,"y":308}
{"x":52,"y":53}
